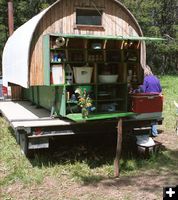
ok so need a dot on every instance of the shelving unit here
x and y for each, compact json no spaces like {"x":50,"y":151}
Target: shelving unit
{"x":105,"y":57}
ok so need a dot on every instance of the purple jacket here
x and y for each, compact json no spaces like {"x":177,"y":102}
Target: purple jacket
{"x":151,"y":84}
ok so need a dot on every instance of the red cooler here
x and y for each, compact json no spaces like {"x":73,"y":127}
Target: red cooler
{"x":147,"y":102}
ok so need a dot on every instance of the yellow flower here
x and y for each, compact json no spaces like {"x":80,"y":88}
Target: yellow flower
{"x":82,"y":99}
{"x":88,"y":104}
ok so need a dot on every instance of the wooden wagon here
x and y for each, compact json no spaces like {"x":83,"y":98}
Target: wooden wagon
{"x":97,"y":46}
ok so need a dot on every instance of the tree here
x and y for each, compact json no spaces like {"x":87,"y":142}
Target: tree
{"x":23,"y":11}
{"x":3,"y":26}
{"x":157,"y":18}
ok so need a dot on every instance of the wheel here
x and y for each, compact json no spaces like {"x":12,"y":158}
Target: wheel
{"x":17,"y":137}
{"x":176,"y":130}
{"x":23,"y":141}
{"x":176,"y":126}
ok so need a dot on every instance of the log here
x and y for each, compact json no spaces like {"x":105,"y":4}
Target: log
{"x":118,"y":149}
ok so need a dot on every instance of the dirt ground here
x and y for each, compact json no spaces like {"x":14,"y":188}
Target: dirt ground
{"x":145,"y":185}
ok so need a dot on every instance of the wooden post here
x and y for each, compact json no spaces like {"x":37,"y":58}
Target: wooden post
{"x":10,"y":17}
{"x":15,"y":90}
{"x":118,"y":148}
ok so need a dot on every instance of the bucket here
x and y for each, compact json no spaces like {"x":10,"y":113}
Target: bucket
{"x":57,"y":74}
{"x":82,"y":74}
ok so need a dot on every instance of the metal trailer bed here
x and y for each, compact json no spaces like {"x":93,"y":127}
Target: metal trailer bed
{"x":33,"y":127}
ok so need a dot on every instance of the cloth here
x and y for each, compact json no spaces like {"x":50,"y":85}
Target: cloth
{"x":151,"y":84}
{"x":154,"y":130}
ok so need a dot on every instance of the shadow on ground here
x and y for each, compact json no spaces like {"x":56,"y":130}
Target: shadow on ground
{"x":97,"y":151}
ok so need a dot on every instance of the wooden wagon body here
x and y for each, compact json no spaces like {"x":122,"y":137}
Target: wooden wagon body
{"x":101,"y":36}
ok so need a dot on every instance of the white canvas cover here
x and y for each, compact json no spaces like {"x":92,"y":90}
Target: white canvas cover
{"x":15,"y":58}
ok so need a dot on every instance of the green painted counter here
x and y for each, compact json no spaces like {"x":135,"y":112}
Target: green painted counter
{"x":78,"y":116}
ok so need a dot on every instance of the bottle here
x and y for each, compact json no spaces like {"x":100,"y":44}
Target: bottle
{"x":134,"y":78}
{"x":69,"y":74}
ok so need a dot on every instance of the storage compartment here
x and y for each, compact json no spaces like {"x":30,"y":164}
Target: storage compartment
{"x":97,"y":65}
{"x":147,"y":103}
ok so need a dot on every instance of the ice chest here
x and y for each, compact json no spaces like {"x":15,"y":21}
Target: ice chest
{"x":147,"y":102}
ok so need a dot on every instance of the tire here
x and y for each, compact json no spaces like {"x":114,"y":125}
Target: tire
{"x":17,"y":137}
{"x":23,"y":141}
{"x":176,"y":130}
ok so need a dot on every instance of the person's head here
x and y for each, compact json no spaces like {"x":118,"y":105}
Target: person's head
{"x":147,"y":71}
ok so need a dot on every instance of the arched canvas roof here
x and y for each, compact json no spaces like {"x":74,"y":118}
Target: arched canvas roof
{"x":15,"y":59}
{"x":16,"y":54}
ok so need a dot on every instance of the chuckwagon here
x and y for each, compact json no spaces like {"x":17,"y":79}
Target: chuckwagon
{"x":95,"y":46}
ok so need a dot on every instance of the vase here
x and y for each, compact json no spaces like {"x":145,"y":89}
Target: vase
{"x":85,"y":113}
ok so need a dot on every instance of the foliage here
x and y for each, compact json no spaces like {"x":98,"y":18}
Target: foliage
{"x":23,"y":11}
{"x":3,"y":26}
{"x":170,"y":93}
{"x":157,"y":18}
{"x":84,"y":99}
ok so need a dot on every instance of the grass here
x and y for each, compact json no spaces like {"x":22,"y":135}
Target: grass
{"x":170,"y":92}
{"x":86,"y":165}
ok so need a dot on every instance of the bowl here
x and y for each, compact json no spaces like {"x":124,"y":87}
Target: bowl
{"x":108,"y":78}
{"x":96,"y":46}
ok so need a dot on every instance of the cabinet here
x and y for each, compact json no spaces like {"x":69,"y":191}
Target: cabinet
{"x":104,"y":68}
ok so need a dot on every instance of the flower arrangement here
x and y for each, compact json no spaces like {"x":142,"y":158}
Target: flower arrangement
{"x":84,"y":101}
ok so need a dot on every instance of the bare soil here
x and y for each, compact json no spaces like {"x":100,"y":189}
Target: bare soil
{"x":145,"y":185}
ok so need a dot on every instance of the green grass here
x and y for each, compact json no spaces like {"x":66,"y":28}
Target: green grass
{"x":84,"y":166}
{"x":170,"y":92}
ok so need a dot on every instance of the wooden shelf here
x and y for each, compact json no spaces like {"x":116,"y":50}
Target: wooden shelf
{"x":57,"y":84}
{"x":112,"y":55}
{"x":110,"y":100}
{"x":80,"y":84}
{"x":72,"y":102}
{"x":118,"y":83}
{"x":57,"y":49}
{"x":56,"y":63}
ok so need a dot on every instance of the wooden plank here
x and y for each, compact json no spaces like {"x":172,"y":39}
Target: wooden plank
{"x":52,"y":29}
{"x":16,"y":92}
{"x":69,"y":5}
{"x":39,"y":58}
{"x":108,"y":18}
{"x":37,"y":75}
{"x":17,"y":110}
{"x":40,"y":123}
{"x":39,"y":63}
{"x":60,"y":23}
{"x":64,"y":16}
{"x":23,"y":114}
{"x":118,"y":149}
{"x":56,"y":19}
